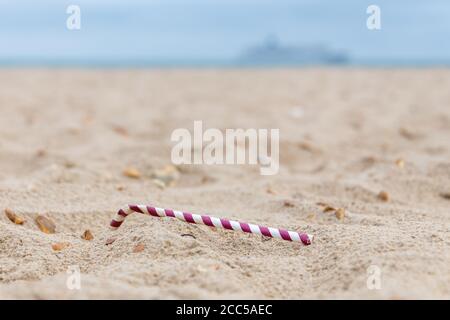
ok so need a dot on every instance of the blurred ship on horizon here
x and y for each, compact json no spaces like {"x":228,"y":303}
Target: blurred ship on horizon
{"x":272,"y":52}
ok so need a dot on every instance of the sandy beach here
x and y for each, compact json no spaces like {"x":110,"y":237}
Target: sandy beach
{"x":373,"y":142}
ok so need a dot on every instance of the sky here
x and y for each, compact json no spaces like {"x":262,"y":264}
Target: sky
{"x":412,"y":31}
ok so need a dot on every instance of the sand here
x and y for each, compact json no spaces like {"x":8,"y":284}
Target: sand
{"x":67,"y":135}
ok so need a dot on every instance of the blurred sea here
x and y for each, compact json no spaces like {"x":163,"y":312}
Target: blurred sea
{"x":220,"y":33}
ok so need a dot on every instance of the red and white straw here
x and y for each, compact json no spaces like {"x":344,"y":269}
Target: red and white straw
{"x":211,"y":222}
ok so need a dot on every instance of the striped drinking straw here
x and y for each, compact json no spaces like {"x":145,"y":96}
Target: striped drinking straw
{"x":211,"y":222}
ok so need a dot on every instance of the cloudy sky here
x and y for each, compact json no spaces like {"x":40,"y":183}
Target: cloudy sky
{"x":184,"y":30}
